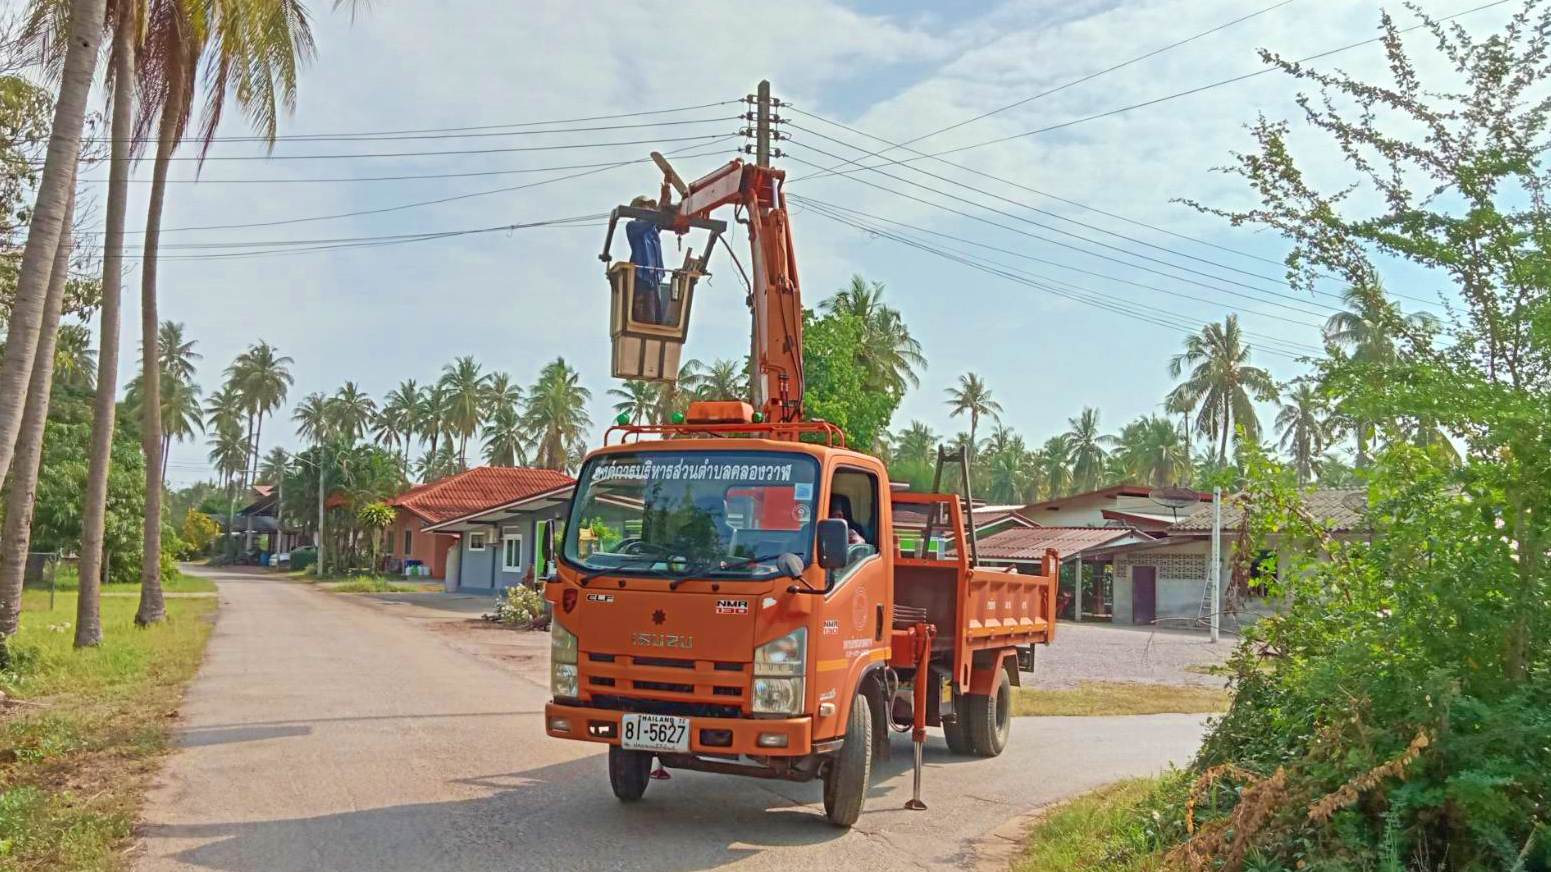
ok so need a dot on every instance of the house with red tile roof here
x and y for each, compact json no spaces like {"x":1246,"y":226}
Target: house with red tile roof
{"x":410,"y":538}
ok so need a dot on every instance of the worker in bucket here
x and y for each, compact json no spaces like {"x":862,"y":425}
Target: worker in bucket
{"x":649,"y":303}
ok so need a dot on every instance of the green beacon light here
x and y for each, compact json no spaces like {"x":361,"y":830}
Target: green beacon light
{"x":759,"y":417}
{"x":623,"y":419}
{"x":678,"y":417}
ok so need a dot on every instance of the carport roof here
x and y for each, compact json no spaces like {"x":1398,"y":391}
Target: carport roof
{"x":1030,"y":543}
{"x":477,"y":489}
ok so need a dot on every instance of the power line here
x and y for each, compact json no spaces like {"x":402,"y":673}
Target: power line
{"x":441,"y":133}
{"x":1161,"y":317}
{"x":1091,"y":76}
{"x":400,"y":178}
{"x":450,"y":152}
{"x":859,"y":214}
{"x":1156,"y":100}
{"x":403,"y":206}
{"x":1078,"y":249}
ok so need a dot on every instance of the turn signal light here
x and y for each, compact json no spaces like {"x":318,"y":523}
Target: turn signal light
{"x":771,"y":740}
{"x":568,"y":600}
{"x":560,"y":725}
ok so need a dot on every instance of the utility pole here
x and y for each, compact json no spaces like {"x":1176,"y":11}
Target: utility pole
{"x":1216,"y":606}
{"x":318,"y":539}
{"x":761,"y":157}
{"x":762,"y":124}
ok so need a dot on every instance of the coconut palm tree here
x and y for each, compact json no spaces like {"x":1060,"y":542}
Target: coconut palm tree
{"x":1302,"y":428}
{"x":505,"y":437}
{"x":500,"y":394}
{"x":673,"y":397}
{"x":1086,"y":446}
{"x":639,"y":400}
{"x":1365,"y":333}
{"x":1007,"y":459}
{"x":431,"y":415}
{"x":1221,"y":385}
{"x":124,"y":24}
{"x":263,"y":379}
{"x":181,"y":414}
{"x":888,"y":355}
{"x":75,"y":363}
{"x":1150,"y":450}
{"x":399,"y":419}
{"x":313,"y":418}
{"x":224,"y":408}
{"x":556,"y":416}
{"x":723,"y":380}
{"x":350,"y":412}
{"x":1056,"y":464}
{"x":275,"y":466}
{"x":464,"y":384}
{"x":972,"y":397}
{"x":75,"y":42}
{"x":177,"y":354}
{"x":917,"y":443}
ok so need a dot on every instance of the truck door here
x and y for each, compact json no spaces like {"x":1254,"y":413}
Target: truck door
{"x":853,"y":632}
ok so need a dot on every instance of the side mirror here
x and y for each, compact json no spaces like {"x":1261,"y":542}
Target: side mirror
{"x":547,"y":549}
{"x":834,"y":542}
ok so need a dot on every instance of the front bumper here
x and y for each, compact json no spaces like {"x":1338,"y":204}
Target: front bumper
{"x":706,"y":735}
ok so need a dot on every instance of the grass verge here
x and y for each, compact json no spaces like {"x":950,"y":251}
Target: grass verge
{"x":67,"y":579}
{"x":1107,"y":830}
{"x":375,"y":584}
{"x":1094,"y":698}
{"x":82,"y":730}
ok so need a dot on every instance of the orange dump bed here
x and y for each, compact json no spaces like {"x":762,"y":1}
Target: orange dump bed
{"x":973,"y":608}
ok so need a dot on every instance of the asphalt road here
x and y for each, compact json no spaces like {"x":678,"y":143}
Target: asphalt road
{"x":329,"y":734}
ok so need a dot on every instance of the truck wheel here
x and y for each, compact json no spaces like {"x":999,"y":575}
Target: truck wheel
{"x":845,"y":784}
{"x":629,"y":772}
{"x":956,"y":731}
{"x":989,"y":717}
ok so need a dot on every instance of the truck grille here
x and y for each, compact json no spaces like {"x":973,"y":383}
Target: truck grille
{"x":664,"y":707}
{"x":655,"y":684}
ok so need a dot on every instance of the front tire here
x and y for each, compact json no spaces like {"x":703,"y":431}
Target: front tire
{"x":989,"y":717}
{"x":629,"y":773}
{"x":846,"y":782}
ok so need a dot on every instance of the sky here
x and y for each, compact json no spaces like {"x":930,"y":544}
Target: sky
{"x":518,"y":299}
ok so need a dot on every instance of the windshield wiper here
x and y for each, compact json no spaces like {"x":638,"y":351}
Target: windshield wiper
{"x":624,"y":564}
{"x":710,"y":566}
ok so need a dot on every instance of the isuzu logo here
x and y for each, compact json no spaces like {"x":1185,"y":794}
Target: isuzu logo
{"x":662,"y":640}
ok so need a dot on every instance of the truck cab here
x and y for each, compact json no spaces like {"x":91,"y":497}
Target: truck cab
{"x":725,"y":602}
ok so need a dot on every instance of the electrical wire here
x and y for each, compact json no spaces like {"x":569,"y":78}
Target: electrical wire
{"x":1091,"y":76}
{"x":857,"y":213}
{"x":450,"y":152}
{"x":1080,"y":250}
{"x":1128,"y":309}
{"x":1156,"y":100}
{"x":400,"y":178}
{"x":452,"y":199}
{"x":392,"y":133}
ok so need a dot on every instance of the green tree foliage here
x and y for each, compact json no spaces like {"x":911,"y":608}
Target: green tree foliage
{"x":837,"y":379}
{"x":1395,"y":716}
{"x":56,"y":524}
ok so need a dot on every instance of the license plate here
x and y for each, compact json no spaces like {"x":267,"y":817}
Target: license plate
{"x":654,"y":733}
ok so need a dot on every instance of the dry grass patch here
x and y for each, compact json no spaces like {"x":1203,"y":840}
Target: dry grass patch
{"x":82,"y":730}
{"x":1096,"y":698}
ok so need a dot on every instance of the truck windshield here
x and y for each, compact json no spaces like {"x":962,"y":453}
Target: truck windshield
{"x":723,"y":513}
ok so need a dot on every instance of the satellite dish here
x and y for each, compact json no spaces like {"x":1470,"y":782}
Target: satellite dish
{"x":1173,"y":496}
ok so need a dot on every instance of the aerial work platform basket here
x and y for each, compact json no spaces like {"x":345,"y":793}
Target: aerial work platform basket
{"x":649,"y":320}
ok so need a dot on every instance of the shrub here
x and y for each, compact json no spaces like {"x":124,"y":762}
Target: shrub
{"x":197,"y":532}
{"x":303,"y":557}
{"x":519,"y":606}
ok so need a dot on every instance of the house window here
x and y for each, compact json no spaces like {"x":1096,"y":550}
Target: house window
{"x":409,"y":538}
{"x":476,"y":541}
{"x":511,"y":552}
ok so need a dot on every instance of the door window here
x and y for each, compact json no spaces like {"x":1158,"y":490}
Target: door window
{"x":853,"y":498}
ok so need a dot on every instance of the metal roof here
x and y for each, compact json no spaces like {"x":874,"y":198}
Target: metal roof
{"x":1330,"y":506}
{"x":479,"y":488}
{"x":1030,"y":543}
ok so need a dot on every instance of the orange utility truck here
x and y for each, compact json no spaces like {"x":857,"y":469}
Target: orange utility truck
{"x":738,"y":592}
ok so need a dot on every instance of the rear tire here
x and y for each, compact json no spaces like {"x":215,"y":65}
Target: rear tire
{"x":629,"y":772}
{"x":846,"y":782}
{"x":955,"y":730}
{"x":989,"y":717}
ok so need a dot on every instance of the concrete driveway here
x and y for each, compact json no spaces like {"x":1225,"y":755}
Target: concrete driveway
{"x":330,"y":733}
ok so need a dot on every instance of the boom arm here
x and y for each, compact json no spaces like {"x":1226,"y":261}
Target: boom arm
{"x":775,"y":297}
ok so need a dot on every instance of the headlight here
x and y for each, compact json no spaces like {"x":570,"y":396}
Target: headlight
{"x":562,"y":661}
{"x":784,"y":656}
{"x":562,"y":644}
{"x":562,"y":680}
{"x":782,"y":696}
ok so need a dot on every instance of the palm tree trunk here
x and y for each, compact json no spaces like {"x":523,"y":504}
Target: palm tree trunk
{"x":88,"y":617}
{"x":152,"y":606}
{"x":17,"y":536}
{"x":166,"y":449}
{"x":48,"y":224}
{"x":1222,"y":455}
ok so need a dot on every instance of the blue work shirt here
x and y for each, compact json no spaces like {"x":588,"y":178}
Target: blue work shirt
{"x":645,"y":251}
